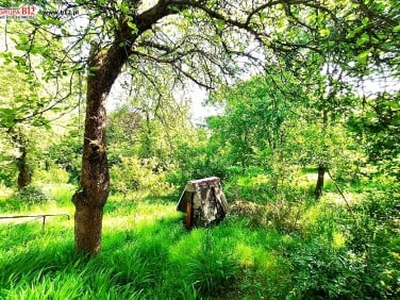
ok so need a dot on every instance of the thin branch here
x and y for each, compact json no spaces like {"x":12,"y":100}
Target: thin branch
{"x":175,"y":66}
{"x":341,"y":194}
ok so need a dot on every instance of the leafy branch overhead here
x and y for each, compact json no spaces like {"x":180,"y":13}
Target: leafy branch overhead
{"x":209,"y":41}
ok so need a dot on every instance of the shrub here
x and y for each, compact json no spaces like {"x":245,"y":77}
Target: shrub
{"x":253,"y":212}
{"x":53,"y":175}
{"x":139,"y":175}
{"x":32,"y":195}
{"x":284,"y":216}
{"x":374,"y":238}
{"x":320,"y":271}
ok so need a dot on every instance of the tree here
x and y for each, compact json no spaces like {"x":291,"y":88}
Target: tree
{"x":255,"y":111}
{"x":376,"y":125}
{"x":195,"y":39}
{"x":26,"y":104}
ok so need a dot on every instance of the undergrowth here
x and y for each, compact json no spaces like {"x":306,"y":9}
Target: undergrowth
{"x":292,"y":250}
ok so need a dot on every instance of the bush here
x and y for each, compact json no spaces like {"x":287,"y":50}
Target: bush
{"x":53,"y":175}
{"x":256,"y":188}
{"x":320,"y":271}
{"x":139,"y":175}
{"x":364,"y":264}
{"x":31,"y":195}
{"x":374,"y":237}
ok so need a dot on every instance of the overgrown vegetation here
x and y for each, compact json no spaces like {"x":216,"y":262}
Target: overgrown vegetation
{"x":306,"y":145}
{"x":297,"y":250}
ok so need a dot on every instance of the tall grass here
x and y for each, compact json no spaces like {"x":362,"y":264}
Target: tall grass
{"x":149,"y":254}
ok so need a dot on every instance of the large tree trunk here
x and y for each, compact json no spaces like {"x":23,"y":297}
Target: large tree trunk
{"x":92,"y":196}
{"x":104,"y":67}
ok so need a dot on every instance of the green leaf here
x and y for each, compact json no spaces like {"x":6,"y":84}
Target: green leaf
{"x":7,"y":117}
{"x":392,"y":104}
{"x":132,"y":26}
{"x":220,"y":24}
{"x":324,"y":32}
{"x":263,"y":15}
{"x":363,"y":39}
{"x":362,"y":57}
{"x":23,"y":47}
{"x":20,"y":60}
{"x":124,"y":8}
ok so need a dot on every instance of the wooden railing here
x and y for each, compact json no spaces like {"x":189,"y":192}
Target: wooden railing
{"x":42,"y":216}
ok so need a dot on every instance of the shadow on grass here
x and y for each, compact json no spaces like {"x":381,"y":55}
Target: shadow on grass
{"x":151,"y":257}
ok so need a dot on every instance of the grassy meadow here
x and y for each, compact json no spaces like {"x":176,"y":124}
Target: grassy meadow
{"x":296,"y":249}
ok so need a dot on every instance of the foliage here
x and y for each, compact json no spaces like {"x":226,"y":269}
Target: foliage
{"x":148,"y":254}
{"x":307,"y":105}
{"x":375,"y":238}
{"x":31,"y":195}
{"x":52,"y":175}
{"x":139,"y":175}
{"x":65,"y":152}
{"x":27,"y":105}
{"x":376,"y":127}
{"x":252,"y":122}
{"x":323,"y":272}
{"x":351,"y":254}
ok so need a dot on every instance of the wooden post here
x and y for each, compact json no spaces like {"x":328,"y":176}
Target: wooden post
{"x":189,"y":214}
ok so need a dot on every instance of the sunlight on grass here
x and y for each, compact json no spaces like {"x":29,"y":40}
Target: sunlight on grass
{"x":265,"y":260}
{"x":245,"y":254}
{"x":253,"y":256}
{"x":338,"y":240}
{"x":139,"y":214}
{"x":147,"y":253}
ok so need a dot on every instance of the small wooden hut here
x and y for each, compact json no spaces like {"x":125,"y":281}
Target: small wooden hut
{"x":204,"y":202}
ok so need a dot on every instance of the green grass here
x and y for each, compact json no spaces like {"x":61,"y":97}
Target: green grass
{"x":148,"y":254}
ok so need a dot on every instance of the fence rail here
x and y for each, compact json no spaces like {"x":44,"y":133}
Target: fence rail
{"x":41,"y":216}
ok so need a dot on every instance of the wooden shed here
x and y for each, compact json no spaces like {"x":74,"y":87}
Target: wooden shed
{"x":204,"y":202}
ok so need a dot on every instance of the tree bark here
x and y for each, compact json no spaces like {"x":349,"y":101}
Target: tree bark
{"x":320,"y":181}
{"x":104,"y":66}
{"x":92,"y":196}
{"x":24,"y":174}
{"x":322,"y":168}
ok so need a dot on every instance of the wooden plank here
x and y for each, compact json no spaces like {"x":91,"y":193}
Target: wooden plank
{"x":189,"y":214}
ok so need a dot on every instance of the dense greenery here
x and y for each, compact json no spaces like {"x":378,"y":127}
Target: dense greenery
{"x":295,"y":249}
{"x":277,"y":242}
{"x":307,"y":146}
